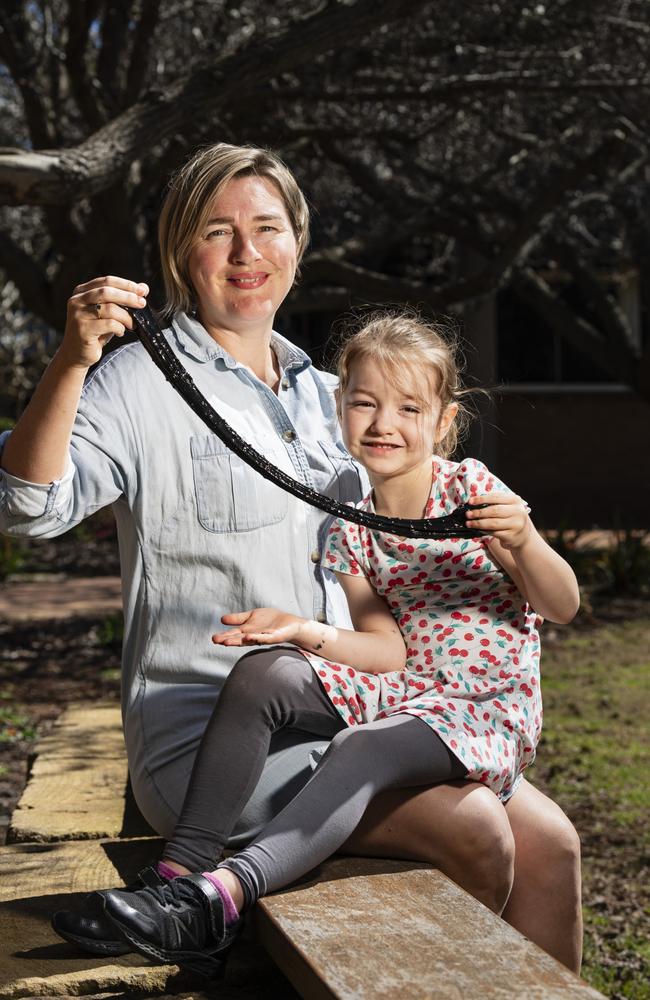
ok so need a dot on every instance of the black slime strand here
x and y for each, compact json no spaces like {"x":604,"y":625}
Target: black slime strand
{"x":153,"y":340}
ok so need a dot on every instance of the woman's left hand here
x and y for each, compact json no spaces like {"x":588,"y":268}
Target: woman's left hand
{"x":505,"y":518}
{"x":261,"y":626}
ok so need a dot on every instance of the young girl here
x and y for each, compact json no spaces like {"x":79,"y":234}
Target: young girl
{"x":439,"y":681}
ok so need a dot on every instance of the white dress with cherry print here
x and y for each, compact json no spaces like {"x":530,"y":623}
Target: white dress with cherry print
{"x":472,"y":669}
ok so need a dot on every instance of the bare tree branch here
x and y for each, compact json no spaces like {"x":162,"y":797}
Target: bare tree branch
{"x":449,"y":88}
{"x":577,"y":331}
{"x":444,"y":163}
{"x":27,"y":274}
{"x":397,"y":196}
{"x":114,"y":30}
{"x":141,"y":50}
{"x":383,"y":288}
{"x":378,"y":287}
{"x":50,"y":177}
{"x":610,"y":317}
{"x":606,"y":157}
{"x":18,"y":50}
{"x":81,"y":16}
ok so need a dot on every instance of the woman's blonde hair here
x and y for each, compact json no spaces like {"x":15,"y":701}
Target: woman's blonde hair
{"x":189,"y":198}
{"x":417,"y":357}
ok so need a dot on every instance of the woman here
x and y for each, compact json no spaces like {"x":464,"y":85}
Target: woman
{"x":200,"y":533}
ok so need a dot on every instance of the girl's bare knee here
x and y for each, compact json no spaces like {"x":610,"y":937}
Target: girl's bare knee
{"x":461,"y":828}
{"x":491,"y":855}
{"x":563,"y":849}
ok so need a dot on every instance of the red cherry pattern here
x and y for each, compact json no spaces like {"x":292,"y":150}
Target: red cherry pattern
{"x":472,"y":670}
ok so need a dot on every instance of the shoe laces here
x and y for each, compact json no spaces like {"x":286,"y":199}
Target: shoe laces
{"x":172,"y":893}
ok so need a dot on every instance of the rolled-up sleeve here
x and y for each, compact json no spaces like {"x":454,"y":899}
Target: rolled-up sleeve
{"x":93,"y":477}
{"x":25,"y":505}
{"x":20,"y":498}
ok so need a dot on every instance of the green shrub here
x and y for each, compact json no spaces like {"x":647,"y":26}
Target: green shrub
{"x":620,"y":567}
{"x":11,"y":550}
{"x":15,"y":727}
{"x":624,"y":567}
{"x":12,"y":554}
{"x":111,"y":630}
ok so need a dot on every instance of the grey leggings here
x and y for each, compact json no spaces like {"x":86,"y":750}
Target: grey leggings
{"x":268,"y":690}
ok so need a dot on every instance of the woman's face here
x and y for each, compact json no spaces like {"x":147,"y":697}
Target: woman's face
{"x":243,"y":261}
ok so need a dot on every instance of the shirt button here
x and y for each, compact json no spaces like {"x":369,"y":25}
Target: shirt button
{"x":315,"y":556}
{"x":321,"y":617}
{"x":289,"y":435}
{"x":285,"y":383}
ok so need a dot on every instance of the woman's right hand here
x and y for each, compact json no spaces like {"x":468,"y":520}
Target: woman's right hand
{"x":97,"y":312}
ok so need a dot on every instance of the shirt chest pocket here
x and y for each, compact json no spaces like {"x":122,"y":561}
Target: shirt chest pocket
{"x":336,"y":473}
{"x":230,"y":496}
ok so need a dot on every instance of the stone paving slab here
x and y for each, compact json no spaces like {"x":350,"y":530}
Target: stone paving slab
{"x":59,"y":596}
{"x":78,"y":781}
{"x":364,"y":928}
{"x":37,"y":879}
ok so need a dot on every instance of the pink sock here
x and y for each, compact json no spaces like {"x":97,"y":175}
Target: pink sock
{"x":166,"y":871}
{"x":230,"y":911}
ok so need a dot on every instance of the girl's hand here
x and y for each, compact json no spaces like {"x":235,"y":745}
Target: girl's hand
{"x":261,"y":626}
{"x":505,"y":518}
{"x":97,"y":312}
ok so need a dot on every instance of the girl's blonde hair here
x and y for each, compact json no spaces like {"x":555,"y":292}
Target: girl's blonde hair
{"x":417,"y":357}
{"x":189,"y":198}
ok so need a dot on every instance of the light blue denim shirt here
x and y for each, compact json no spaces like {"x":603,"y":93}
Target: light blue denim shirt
{"x":200,"y":533}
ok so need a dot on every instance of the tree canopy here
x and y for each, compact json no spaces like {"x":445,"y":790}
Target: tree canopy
{"x":448,"y":149}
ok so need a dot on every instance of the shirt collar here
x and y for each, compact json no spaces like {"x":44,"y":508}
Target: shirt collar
{"x":194,"y":340}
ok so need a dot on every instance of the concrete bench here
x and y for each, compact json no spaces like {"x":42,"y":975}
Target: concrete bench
{"x":354,"y":928}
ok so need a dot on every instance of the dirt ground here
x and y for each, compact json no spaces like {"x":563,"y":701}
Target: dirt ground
{"x":48,"y":663}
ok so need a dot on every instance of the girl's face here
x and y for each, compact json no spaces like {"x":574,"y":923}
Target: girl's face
{"x":388,"y":430}
{"x":243,"y":261}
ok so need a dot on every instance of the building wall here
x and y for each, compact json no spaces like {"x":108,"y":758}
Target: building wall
{"x":580,"y":458}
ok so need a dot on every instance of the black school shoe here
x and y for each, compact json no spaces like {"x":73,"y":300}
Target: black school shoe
{"x":181,"y":922}
{"x":90,"y":929}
